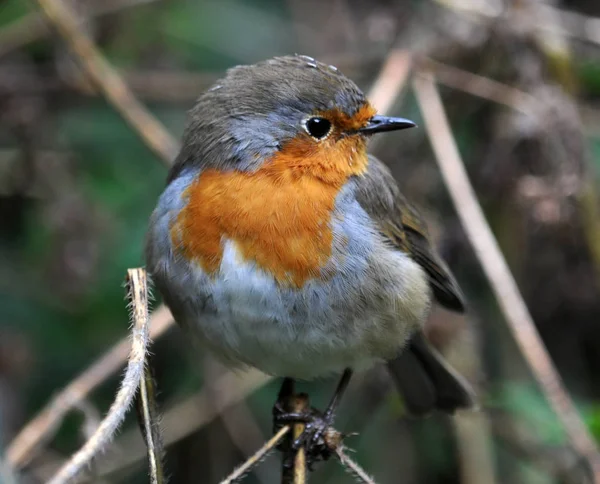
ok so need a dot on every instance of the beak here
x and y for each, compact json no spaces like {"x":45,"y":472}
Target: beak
{"x":380,"y":124}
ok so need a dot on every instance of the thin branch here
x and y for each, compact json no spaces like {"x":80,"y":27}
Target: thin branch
{"x":480,"y":86}
{"x":240,"y":424}
{"x":149,"y":421}
{"x":44,"y":424}
{"x":110,"y":82}
{"x":496,"y":269}
{"x":476,"y":455}
{"x":138,"y":294}
{"x":295,"y":474}
{"x":353,"y":467}
{"x":391,"y":80}
{"x":32,"y":26}
{"x":571,"y":24}
{"x":257,"y":457}
{"x":187,"y":417}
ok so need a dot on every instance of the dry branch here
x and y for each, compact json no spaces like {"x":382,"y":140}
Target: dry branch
{"x":187,"y":417}
{"x":110,"y":82}
{"x":496,"y":269}
{"x":138,"y":294}
{"x":44,"y":425}
{"x":32,"y":27}
{"x":391,"y":79}
{"x":257,"y":457}
{"x":149,"y":423}
{"x":297,"y":474}
{"x":238,"y":420}
{"x":480,"y":86}
{"x":353,"y":467}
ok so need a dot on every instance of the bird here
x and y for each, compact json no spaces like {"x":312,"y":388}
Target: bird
{"x":280,"y":243}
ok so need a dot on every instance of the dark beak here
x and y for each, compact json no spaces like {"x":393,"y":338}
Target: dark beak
{"x":380,"y":124}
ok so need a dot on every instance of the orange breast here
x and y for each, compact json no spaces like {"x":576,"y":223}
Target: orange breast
{"x":279,"y":216}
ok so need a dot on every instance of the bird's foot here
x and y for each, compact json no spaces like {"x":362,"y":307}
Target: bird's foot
{"x":318,"y":438}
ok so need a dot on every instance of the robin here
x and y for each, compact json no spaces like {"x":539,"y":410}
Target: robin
{"x":280,"y":244}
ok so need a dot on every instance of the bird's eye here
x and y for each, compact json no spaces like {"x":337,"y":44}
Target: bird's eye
{"x":318,"y":128}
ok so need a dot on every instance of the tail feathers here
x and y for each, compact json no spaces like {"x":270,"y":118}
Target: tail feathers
{"x":427,"y":382}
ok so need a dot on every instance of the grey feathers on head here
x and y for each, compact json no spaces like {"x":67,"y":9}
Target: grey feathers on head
{"x":246,"y":115}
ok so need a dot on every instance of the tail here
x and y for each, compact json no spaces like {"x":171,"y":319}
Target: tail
{"x":426,"y":381}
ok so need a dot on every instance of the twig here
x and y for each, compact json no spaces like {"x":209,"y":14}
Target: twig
{"x":31,"y":27}
{"x":45,"y":423}
{"x":391,"y":80}
{"x":187,"y":417}
{"x":138,"y":294}
{"x":149,"y":422}
{"x":480,"y":86}
{"x":299,"y":458}
{"x":295,"y":474}
{"x":572,"y":24}
{"x":258,"y":456}
{"x":353,"y":467}
{"x":474,"y":441}
{"x":494,"y":265}
{"x":110,"y":82}
{"x":238,"y":420}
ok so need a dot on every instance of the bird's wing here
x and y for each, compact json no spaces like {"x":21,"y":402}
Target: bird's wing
{"x":401,"y":225}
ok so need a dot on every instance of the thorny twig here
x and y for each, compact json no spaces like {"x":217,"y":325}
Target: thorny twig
{"x":187,"y":417}
{"x":138,"y":294}
{"x":353,"y":467}
{"x":110,"y":82}
{"x":45,"y":423}
{"x":257,"y":457}
{"x":494,"y":265}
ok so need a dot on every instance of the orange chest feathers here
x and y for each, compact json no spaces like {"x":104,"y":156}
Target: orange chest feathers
{"x":278,"y":217}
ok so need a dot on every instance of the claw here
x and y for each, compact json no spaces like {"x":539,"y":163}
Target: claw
{"x":319,"y":438}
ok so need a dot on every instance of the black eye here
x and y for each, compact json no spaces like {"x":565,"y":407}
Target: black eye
{"x":318,"y":127}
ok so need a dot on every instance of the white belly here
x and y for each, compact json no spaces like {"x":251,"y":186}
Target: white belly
{"x":324,"y":327}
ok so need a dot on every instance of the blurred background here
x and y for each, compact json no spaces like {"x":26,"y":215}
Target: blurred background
{"x":77,"y":186}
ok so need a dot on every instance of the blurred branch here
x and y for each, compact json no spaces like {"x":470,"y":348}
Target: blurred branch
{"x":473,"y":436}
{"x":588,"y":203}
{"x":494,"y":265}
{"x":149,"y":422}
{"x":137,"y":291}
{"x":45,"y":424}
{"x":391,"y":80}
{"x":479,"y":86}
{"x":151,"y":84}
{"x":257,"y":457}
{"x":240,"y":424}
{"x":523,"y":441}
{"x":570,"y":24}
{"x":32,"y":27}
{"x":110,"y":82}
